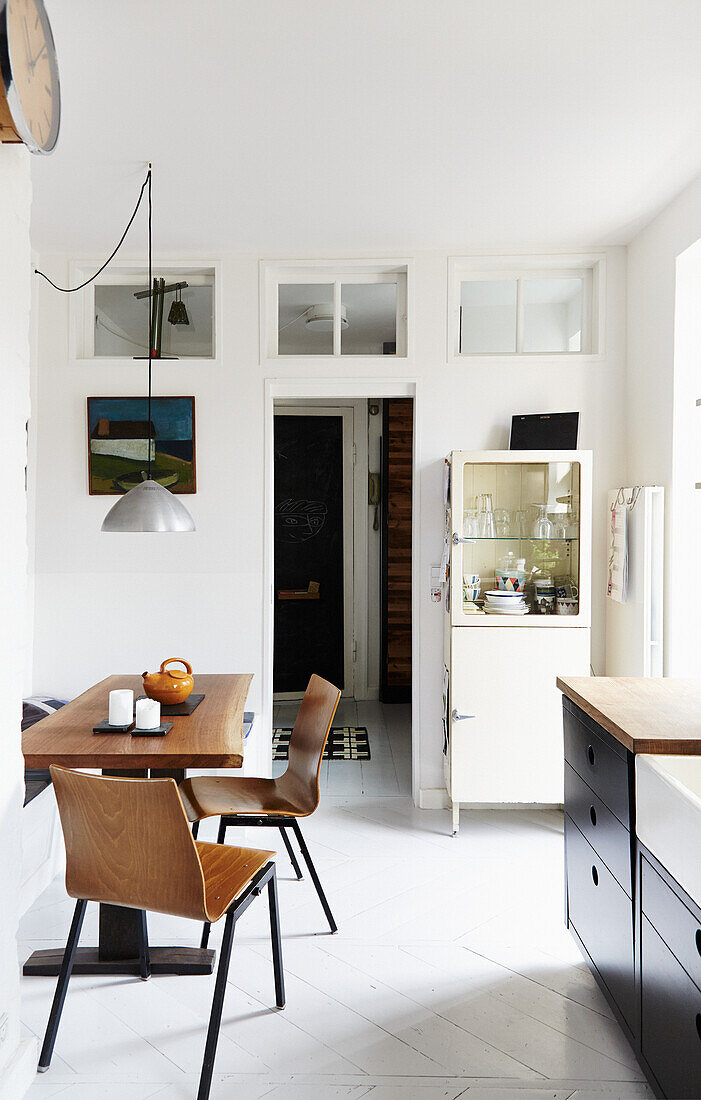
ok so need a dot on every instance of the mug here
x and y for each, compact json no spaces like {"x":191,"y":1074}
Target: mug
{"x":544,"y":596}
{"x":566,"y":588}
{"x":567,"y":606}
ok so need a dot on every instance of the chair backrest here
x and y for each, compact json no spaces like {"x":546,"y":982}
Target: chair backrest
{"x":308,"y":740}
{"x":128,"y":842}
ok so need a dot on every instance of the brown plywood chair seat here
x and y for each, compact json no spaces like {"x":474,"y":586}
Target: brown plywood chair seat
{"x":227,"y":871}
{"x":128,"y":843}
{"x":213,"y":795}
{"x":274,"y":802}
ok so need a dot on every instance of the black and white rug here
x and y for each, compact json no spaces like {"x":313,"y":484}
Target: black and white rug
{"x":344,"y":743}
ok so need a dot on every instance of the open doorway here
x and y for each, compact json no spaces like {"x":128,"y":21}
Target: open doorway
{"x":342,"y":582}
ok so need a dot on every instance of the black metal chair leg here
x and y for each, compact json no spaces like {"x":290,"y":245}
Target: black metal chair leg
{"x":315,"y":878}
{"x":61,"y":987}
{"x":221,"y":837}
{"x":144,"y":953}
{"x":205,"y":935}
{"x":290,"y":852}
{"x":217,"y":1006}
{"x":276,"y":941}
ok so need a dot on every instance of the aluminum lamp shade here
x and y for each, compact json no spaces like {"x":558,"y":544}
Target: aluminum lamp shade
{"x":148,"y":507}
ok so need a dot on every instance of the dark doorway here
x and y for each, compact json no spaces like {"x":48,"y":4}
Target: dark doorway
{"x":395,"y":588}
{"x":309,"y":626}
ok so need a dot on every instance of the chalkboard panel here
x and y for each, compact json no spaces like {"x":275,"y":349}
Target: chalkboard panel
{"x":308,"y":549}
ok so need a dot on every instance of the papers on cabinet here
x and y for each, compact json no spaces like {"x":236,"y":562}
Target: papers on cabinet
{"x":617,"y":587}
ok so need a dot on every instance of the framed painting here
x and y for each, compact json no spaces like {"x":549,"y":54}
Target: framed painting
{"x":119,"y":438}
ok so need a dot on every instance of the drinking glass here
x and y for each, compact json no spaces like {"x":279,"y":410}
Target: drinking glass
{"x":520,"y":523}
{"x":486,"y":518}
{"x":470,"y":523}
{"x":486,"y":515}
{"x":502,"y":522}
{"x":558,"y":525}
{"x":542,"y":528}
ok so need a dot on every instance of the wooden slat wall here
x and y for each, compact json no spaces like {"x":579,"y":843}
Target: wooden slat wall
{"x":398,"y":453}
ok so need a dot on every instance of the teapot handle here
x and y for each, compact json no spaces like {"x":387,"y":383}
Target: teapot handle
{"x":180,"y":660}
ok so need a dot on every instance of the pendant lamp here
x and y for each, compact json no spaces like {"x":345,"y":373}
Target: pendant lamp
{"x":149,"y":506}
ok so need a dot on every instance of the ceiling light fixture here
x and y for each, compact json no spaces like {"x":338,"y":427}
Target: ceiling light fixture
{"x":320,"y":318}
{"x":149,"y":506}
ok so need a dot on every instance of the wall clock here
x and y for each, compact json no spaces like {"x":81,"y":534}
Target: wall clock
{"x":30,"y":96}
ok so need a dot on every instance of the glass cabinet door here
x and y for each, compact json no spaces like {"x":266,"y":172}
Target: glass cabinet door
{"x":523,"y":557}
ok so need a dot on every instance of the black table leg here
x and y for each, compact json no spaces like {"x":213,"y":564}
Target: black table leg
{"x":119,"y":949}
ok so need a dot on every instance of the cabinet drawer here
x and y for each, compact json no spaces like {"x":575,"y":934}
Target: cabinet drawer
{"x":602,"y":915}
{"x":676,"y":924}
{"x":599,"y":765}
{"x":602,"y":829}
{"x":671,"y":1019}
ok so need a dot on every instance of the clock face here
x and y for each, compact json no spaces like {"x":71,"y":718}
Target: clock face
{"x":30,"y":72}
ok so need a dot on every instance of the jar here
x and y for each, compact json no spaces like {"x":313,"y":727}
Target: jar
{"x":511,"y":573}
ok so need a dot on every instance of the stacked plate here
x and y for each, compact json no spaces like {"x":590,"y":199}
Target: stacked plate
{"x":505,"y":603}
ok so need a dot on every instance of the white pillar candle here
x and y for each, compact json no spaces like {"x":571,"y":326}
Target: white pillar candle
{"x":121,"y":707}
{"x":148,"y":714}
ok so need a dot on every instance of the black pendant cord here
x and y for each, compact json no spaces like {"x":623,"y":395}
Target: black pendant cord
{"x":73,"y":289}
{"x":145,"y":186}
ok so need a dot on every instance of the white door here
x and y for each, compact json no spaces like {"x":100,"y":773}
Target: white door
{"x":512,"y":749}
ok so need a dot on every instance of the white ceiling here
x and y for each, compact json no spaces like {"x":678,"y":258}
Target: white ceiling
{"x":308,"y":127}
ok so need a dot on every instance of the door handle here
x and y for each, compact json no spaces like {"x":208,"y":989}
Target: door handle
{"x":455,"y":717}
{"x":457,"y":539}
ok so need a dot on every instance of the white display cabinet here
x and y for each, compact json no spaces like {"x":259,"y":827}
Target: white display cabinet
{"x":502,"y":721}
{"x":525,"y":488}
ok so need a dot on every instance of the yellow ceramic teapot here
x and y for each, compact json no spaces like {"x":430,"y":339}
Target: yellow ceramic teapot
{"x":169,"y":687}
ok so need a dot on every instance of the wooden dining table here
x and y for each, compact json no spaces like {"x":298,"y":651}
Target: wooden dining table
{"x":212,"y":736}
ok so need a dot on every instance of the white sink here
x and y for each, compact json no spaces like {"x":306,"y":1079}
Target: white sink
{"x":668,"y":815}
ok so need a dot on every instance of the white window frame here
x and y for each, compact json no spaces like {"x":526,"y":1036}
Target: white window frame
{"x":339,"y":273}
{"x":591,"y":267}
{"x":122,"y":272}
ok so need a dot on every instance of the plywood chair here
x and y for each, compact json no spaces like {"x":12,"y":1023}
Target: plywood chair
{"x":128,"y":843}
{"x":274,"y":802}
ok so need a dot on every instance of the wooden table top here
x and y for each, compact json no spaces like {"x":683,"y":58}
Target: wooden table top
{"x":210,"y":737}
{"x":644,"y":714}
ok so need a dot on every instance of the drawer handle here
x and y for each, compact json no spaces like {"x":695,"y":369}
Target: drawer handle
{"x":698,"y":940}
{"x":595,"y":875}
{"x":592,"y":815}
{"x":590,"y":755}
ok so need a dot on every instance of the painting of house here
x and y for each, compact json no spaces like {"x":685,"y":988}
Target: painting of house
{"x":120,"y":437}
{"x":124,"y":438}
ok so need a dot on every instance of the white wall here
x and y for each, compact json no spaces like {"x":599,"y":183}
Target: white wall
{"x":650,"y":406}
{"x":106,"y":603}
{"x":16,"y":1059}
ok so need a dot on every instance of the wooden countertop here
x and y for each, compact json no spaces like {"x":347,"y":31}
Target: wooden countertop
{"x":645,"y":715}
{"x":211,"y":737}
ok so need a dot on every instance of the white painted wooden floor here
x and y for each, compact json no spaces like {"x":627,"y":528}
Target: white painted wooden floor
{"x":451,"y":975}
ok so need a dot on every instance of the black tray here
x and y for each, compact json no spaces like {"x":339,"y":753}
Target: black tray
{"x":105,"y":727}
{"x":160,"y":731}
{"x":180,"y":709}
